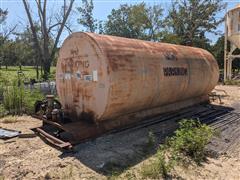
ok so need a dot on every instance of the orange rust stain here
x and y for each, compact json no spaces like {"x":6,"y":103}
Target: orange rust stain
{"x":134,"y":76}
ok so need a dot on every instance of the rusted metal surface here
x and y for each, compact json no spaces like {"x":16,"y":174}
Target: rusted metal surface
{"x":76,"y":132}
{"x":73,"y":132}
{"x":53,"y":140}
{"x":101,"y":77}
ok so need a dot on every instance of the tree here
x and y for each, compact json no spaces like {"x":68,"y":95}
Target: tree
{"x":156,"y":25}
{"x":3,"y":15}
{"x":135,"y":21}
{"x":28,"y":54}
{"x":44,"y":50}
{"x":8,"y":53}
{"x":4,"y":35}
{"x":190,"y":19}
{"x":86,"y":16}
{"x":18,"y":51}
{"x":5,"y":31}
{"x":218,"y":51}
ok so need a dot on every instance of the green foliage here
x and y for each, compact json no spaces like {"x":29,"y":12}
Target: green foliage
{"x":52,"y":73}
{"x":218,"y":51}
{"x":8,"y":54}
{"x":190,"y":19}
{"x":135,"y":21}
{"x":169,"y":37}
{"x":189,"y":141}
{"x":158,"y":167}
{"x":17,"y":52}
{"x":30,"y":97}
{"x":86,"y":15}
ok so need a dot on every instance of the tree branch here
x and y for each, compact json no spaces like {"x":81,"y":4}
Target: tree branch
{"x":54,"y":25}
{"x":33,"y":29}
{"x":7,"y":34}
{"x":61,"y":28}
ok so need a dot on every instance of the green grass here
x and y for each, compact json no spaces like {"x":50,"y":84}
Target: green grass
{"x":29,"y":72}
{"x":232,"y":82}
{"x":14,"y":99}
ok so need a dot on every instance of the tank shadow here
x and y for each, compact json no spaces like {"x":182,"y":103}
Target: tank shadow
{"x":115,"y":153}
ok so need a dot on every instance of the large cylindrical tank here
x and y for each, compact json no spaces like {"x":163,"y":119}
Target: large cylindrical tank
{"x":233,"y":25}
{"x":102,"y":77}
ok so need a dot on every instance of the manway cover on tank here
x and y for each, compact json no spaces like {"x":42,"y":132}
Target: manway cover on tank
{"x":102,"y":77}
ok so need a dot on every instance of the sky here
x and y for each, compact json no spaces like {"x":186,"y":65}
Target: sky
{"x":102,"y":8}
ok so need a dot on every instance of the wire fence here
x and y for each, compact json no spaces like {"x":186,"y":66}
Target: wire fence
{"x":43,"y":87}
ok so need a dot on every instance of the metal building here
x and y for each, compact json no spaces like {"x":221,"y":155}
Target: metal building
{"x":232,"y":40}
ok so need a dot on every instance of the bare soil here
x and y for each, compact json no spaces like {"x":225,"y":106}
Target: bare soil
{"x":124,"y":152}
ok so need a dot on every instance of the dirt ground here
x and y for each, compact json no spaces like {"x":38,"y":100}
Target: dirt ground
{"x":32,"y":158}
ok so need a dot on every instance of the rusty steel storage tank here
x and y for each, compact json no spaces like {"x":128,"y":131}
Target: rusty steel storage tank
{"x":102,"y":77}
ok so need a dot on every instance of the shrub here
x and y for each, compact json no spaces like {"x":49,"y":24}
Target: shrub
{"x":190,"y":139}
{"x":159,"y":166}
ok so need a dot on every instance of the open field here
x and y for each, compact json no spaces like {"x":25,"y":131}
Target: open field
{"x":29,"y":72}
{"x":32,"y":158}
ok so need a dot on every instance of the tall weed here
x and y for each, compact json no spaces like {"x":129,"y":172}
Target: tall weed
{"x":18,"y":100}
{"x":13,"y":97}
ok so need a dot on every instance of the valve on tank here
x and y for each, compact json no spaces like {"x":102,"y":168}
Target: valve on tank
{"x":49,"y":108}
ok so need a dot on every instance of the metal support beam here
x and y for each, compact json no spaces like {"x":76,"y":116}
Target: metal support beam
{"x":225,"y":52}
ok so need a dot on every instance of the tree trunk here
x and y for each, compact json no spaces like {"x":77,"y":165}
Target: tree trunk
{"x":41,"y":70}
{"x":46,"y":69}
{"x":6,"y":67}
{"x":37,"y":72}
